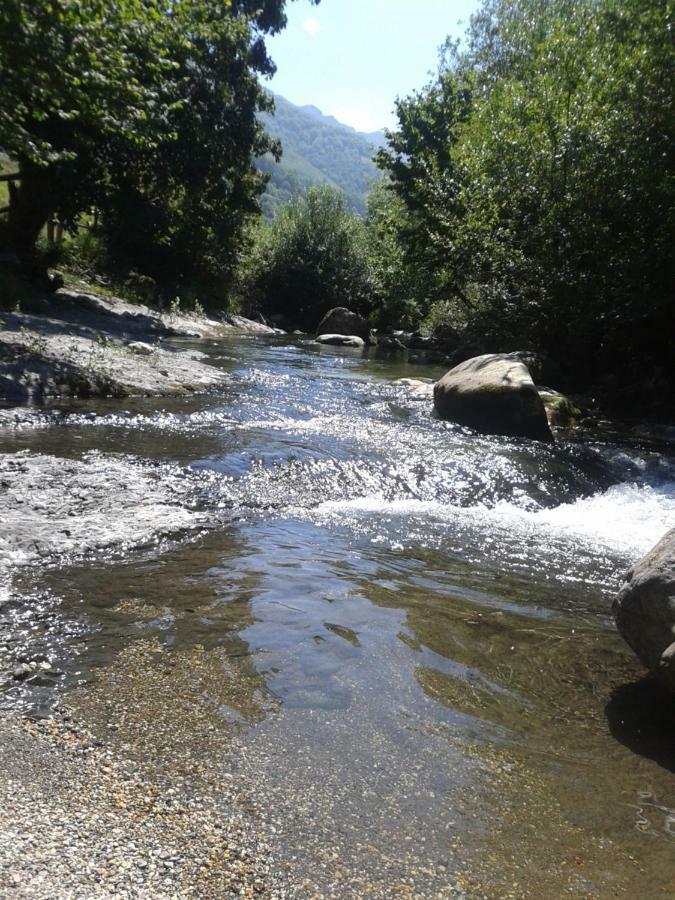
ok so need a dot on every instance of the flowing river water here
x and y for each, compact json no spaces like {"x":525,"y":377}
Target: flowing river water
{"x":393,"y":636}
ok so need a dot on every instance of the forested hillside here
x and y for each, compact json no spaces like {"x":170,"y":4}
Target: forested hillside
{"x":317,"y":149}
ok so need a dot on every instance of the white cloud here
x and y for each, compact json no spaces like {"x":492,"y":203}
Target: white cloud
{"x":311,"y":26}
{"x":358,"y":118}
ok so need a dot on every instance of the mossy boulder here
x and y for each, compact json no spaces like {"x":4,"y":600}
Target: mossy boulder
{"x":493,"y":394}
{"x":561,"y":412}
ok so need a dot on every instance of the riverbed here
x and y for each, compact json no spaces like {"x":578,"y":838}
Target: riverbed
{"x":384,"y":640}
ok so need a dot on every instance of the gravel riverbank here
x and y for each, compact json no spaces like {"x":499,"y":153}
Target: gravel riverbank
{"x":77,"y":821}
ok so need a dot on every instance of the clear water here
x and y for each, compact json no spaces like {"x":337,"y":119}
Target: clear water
{"x":395,"y":633}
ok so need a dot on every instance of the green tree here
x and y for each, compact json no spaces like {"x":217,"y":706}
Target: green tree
{"x":176,"y":210}
{"x":146,"y":109}
{"x":78,"y":80}
{"x":396,"y":287}
{"x":547,"y":205}
{"x":312,"y":257}
{"x":423,"y":174}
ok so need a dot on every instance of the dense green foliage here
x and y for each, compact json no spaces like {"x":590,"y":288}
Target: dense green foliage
{"x":534,"y":176}
{"x":311,"y":257}
{"x":394,"y":281}
{"x":144,"y":109}
{"x":73,"y":91}
{"x":177,"y":211}
{"x":316,"y":150}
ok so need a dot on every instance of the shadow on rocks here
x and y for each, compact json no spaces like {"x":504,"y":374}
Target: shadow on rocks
{"x":641,"y":715}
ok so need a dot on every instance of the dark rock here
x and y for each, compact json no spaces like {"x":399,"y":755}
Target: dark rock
{"x":54,"y":281}
{"x":343,"y":321}
{"x":417,"y":341}
{"x":22,"y":671}
{"x":644,"y":609}
{"x":561,"y":412}
{"x":468,"y":348}
{"x":493,"y":394}
{"x":142,"y":285}
{"x":389,"y":342}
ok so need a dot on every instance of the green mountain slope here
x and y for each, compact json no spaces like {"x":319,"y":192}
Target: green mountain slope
{"x":317,"y":149}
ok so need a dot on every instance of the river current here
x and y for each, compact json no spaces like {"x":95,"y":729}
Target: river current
{"x":402,"y":630}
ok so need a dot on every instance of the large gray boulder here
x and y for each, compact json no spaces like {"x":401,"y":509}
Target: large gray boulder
{"x":493,"y":394}
{"x":644,"y":609}
{"x":343,"y":321}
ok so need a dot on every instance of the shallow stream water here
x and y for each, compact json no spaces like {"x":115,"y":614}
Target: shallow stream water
{"x":394,"y":632}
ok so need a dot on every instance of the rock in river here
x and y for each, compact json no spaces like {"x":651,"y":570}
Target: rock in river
{"x":561,"y":412}
{"x":341,"y":340}
{"x":390,"y":342}
{"x":644,"y":609}
{"x":493,"y":394}
{"x":343,"y":321}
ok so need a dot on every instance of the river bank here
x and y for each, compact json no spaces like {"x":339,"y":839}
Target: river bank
{"x":79,"y":821}
{"x":79,"y":344}
{"x":376,"y":649}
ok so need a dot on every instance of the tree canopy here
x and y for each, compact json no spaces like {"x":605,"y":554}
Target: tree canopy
{"x":146,"y":110}
{"x":534,"y":174}
{"x":311,"y":257}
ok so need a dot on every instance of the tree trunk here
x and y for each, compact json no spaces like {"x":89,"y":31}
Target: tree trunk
{"x":29,"y":207}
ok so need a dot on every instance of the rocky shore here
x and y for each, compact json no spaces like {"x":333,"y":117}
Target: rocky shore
{"x":150,"y":783}
{"x":79,"y":344}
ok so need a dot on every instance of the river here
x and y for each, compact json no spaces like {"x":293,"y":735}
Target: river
{"x":393,"y":634}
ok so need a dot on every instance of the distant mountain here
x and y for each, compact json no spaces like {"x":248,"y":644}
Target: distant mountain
{"x":376,"y":138}
{"x":317,"y":149}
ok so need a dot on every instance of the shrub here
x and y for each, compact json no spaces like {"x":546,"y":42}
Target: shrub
{"x":312,"y":257}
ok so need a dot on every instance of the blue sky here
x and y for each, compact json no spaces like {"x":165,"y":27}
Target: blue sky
{"x":351,"y":58}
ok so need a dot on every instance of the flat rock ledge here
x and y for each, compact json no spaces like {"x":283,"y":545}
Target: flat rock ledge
{"x":36,"y":365}
{"x":644,"y":610}
{"x":54,"y":508}
{"x":79,"y":344}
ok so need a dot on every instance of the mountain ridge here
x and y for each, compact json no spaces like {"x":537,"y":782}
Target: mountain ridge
{"x":317,"y":149}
